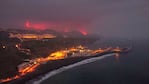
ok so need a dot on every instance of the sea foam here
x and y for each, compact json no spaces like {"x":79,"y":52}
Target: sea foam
{"x":64,"y":68}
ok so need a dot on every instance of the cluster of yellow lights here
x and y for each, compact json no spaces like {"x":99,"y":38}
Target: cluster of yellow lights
{"x":53,"y":56}
{"x":57,"y":55}
{"x":35,"y":36}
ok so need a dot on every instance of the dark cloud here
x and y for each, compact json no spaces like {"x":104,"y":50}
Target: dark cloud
{"x":119,"y":18}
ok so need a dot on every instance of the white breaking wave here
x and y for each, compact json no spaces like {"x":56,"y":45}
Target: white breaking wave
{"x":64,"y":68}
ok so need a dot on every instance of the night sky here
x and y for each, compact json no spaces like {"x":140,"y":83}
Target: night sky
{"x":112,"y":18}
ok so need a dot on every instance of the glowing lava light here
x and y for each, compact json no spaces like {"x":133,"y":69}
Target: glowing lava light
{"x":37,"y":26}
{"x":83,"y":32}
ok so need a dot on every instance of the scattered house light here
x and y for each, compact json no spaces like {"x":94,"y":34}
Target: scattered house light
{"x":3,"y":47}
{"x":17,"y":46}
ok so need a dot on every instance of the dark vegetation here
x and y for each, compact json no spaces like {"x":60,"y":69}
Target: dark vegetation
{"x":9,"y":58}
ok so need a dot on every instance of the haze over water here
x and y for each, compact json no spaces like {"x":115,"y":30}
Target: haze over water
{"x":131,"y":68}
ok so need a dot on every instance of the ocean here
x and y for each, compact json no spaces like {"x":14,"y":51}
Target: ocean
{"x":130,"y":68}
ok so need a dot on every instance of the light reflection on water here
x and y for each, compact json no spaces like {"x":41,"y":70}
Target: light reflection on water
{"x":117,"y":56}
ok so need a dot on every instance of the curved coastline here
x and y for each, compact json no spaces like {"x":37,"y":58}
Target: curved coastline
{"x":64,"y":68}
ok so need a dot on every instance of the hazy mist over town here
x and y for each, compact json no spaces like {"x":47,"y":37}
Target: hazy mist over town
{"x":74,"y":41}
{"x":117,"y":18}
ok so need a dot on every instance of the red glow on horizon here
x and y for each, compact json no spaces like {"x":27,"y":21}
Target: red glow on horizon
{"x":27,"y":24}
{"x":66,"y":30}
{"x":58,"y":26}
{"x":37,"y":26}
{"x":83,"y":32}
